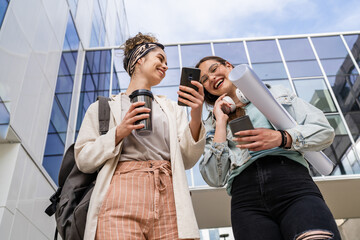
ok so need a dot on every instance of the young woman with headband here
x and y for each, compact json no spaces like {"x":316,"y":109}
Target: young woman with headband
{"x":141,"y":191}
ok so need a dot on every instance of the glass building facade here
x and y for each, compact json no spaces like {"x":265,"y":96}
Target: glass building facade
{"x":56,"y":57}
{"x":321,"y":69}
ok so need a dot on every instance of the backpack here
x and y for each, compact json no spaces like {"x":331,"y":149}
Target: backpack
{"x":70,"y":202}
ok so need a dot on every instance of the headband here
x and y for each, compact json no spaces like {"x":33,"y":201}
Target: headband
{"x":138,"y":52}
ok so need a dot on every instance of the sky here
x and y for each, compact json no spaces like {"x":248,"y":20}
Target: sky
{"x":181,"y":21}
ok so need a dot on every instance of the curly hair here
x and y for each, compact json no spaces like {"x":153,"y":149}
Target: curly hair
{"x":140,"y":38}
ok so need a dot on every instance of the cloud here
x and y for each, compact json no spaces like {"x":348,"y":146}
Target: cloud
{"x":202,"y":20}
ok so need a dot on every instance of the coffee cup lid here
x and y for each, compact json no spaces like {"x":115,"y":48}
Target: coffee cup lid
{"x":141,"y":92}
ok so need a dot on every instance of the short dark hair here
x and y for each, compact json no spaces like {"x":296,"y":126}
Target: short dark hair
{"x":210,"y":98}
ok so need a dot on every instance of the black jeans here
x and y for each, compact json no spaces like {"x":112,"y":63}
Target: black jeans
{"x":275,"y":198}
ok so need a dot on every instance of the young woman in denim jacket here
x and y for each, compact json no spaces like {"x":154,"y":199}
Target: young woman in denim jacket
{"x":273,"y":195}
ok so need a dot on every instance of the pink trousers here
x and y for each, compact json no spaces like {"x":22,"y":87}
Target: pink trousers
{"x":139,"y":203}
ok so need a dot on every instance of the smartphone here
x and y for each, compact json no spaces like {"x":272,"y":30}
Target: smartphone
{"x":188,"y":75}
{"x":240,"y":124}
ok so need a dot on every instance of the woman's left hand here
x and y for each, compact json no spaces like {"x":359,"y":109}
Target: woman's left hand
{"x":195,"y":100}
{"x":258,"y":139}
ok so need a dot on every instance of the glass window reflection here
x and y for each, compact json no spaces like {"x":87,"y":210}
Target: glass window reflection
{"x":198,"y":179}
{"x":284,"y":83}
{"x":172,"y":78}
{"x":115,"y":84}
{"x":296,"y":49}
{"x":338,"y":125}
{"x":3,"y":7}
{"x":98,"y":24}
{"x":172,"y":55}
{"x":307,"y":68}
{"x":191,"y":54}
{"x":73,"y":6}
{"x":71,"y":41}
{"x":263,"y":51}
{"x":300,"y":58}
{"x":95,"y":82}
{"x":55,"y":142}
{"x":4,"y":113}
{"x":169,"y":92}
{"x":337,"y":152}
{"x":121,"y":75}
{"x":353,"y":42}
{"x":234,"y":52}
{"x":267,"y":71}
{"x":332,"y":66}
{"x":329,"y":47}
{"x":316,"y":93}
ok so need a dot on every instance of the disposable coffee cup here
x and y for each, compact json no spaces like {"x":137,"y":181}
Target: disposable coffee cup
{"x":143,"y":95}
{"x":240,"y":124}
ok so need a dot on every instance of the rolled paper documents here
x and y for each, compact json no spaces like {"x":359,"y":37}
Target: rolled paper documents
{"x":245,"y":79}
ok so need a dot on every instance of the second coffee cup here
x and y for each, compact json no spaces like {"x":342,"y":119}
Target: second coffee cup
{"x":143,"y":95}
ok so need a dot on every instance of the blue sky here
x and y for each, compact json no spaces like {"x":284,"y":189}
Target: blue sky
{"x":177,"y":21}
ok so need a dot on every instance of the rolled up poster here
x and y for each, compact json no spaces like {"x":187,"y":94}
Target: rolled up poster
{"x":245,"y":79}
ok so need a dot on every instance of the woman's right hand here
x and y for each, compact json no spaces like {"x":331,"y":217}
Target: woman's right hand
{"x":128,"y":123}
{"x":221,"y":119}
{"x":218,"y":112}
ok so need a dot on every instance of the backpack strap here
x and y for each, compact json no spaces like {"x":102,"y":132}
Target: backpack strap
{"x":104,"y":114}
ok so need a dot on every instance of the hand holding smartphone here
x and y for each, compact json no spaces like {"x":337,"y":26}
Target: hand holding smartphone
{"x":188,"y":75}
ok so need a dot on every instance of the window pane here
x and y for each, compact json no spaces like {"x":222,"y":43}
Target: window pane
{"x":198,"y":180}
{"x":296,"y":49}
{"x":233,"y":52}
{"x":284,"y":83}
{"x":270,"y":70}
{"x":115,"y":84}
{"x":329,"y":47}
{"x":263,"y":51}
{"x":4,"y":113}
{"x":73,"y":6}
{"x":332,"y":66}
{"x":338,"y":150}
{"x":124,"y":80}
{"x":121,"y":75}
{"x":191,"y":54}
{"x":338,"y":125}
{"x":3,"y":6}
{"x":307,"y":68}
{"x":169,"y":92}
{"x":52,"y":165}
{"x":71,"y":41}
{"x":315,"y":92}
{"x":353,"y":41}
{"x":55,"y":142}
{"x":172,"y":54}
{"x":95,"y":82}
{"x":172,"y":78}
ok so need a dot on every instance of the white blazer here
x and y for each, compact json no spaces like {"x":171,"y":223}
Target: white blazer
{"x":93,"y":150}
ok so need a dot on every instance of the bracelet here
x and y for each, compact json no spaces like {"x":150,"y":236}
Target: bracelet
{"x":283,"y":138}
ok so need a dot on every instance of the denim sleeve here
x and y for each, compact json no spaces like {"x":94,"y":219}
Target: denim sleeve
{"x":215,"y":165}
{"x":312,"y":131}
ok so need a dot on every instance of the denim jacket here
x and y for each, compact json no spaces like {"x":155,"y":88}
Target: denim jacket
{"x":312,"y":133}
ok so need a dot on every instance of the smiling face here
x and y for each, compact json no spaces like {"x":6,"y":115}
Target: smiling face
{"x":214,"y":77}
{"x":153,"y":66}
